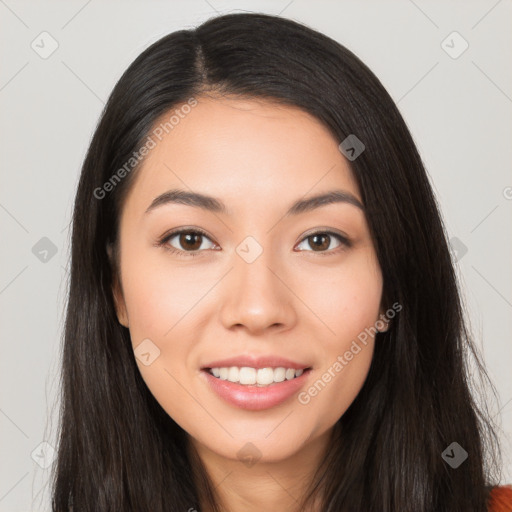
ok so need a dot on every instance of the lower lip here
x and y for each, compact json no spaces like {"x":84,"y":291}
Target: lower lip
{"x":256,"y":398}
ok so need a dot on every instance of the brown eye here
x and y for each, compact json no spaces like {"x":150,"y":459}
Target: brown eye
{"x":186,"y":241}
{"x":321,"y":242}
{"x":191,"y":241}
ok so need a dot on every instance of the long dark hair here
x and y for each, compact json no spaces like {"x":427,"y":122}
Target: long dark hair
{"x":119,"y":450}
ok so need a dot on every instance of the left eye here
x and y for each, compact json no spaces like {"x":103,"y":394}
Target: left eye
{"x":321,"y":241}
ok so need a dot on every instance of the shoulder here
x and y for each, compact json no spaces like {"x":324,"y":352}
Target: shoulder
{"x":500,"y":499}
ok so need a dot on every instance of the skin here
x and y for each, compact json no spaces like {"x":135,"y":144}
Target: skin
{"x":292,"y":301}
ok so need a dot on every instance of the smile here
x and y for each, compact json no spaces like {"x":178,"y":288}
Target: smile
{"x":260,"y":377}
{"x":275,"y":387}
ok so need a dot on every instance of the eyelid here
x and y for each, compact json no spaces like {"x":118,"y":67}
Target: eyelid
{"x":179,"y":231}
{"x":326,"y":231}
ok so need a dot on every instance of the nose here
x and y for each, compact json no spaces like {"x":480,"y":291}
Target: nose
{"x":257,"y":297}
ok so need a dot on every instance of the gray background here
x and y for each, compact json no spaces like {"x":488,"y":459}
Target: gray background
{"x":458,"y":110}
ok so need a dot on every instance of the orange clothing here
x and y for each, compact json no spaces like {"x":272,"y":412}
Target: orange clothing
{"x":500,"y":499}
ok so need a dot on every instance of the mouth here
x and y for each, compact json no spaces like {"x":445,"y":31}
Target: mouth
{"x":255,"y":377}
{"x":255,"y":389}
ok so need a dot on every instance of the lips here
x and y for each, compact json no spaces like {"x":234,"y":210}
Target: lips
{"x":252,"y":397}
{"x":255,"y":398}
{"x":269,"y":361}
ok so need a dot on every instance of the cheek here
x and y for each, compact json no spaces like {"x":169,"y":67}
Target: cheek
{"x":337,"y":384}
{"x":346,"y":299}
{"x":163,"y":304}
{"x":346,"y":358}
{"x":348,"y":304}
{"x":159,"y":296}
{"x":160,"y":303}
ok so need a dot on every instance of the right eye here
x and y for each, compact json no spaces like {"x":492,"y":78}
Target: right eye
{"x":191,"y":241}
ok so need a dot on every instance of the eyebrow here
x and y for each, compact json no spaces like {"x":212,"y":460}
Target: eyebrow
{"x":215,"y":205}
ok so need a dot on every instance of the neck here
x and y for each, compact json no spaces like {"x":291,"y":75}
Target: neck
{"x":264,"y":485}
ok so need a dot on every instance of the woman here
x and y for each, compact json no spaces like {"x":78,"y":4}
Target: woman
{"x":263,"y":311}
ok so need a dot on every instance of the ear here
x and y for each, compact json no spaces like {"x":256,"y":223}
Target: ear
{"x":382,"y":323}
{"x":117,"y":292}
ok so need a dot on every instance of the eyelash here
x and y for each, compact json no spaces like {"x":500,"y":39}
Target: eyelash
{"x":346,"y":243}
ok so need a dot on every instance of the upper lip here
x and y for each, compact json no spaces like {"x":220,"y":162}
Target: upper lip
{"x":257,"y":362}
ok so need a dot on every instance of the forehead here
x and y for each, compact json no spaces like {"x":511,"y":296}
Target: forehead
{"x":243,"y":150}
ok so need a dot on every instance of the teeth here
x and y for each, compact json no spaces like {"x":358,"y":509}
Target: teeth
{"x":290,"y":374}
{"x":246,"y":375}
{"x":233,"y":374}
{"x":265,"y":376}
{"x":252,"y":376}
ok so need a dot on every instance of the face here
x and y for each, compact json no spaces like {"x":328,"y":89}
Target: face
{"x":245,"y":280}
